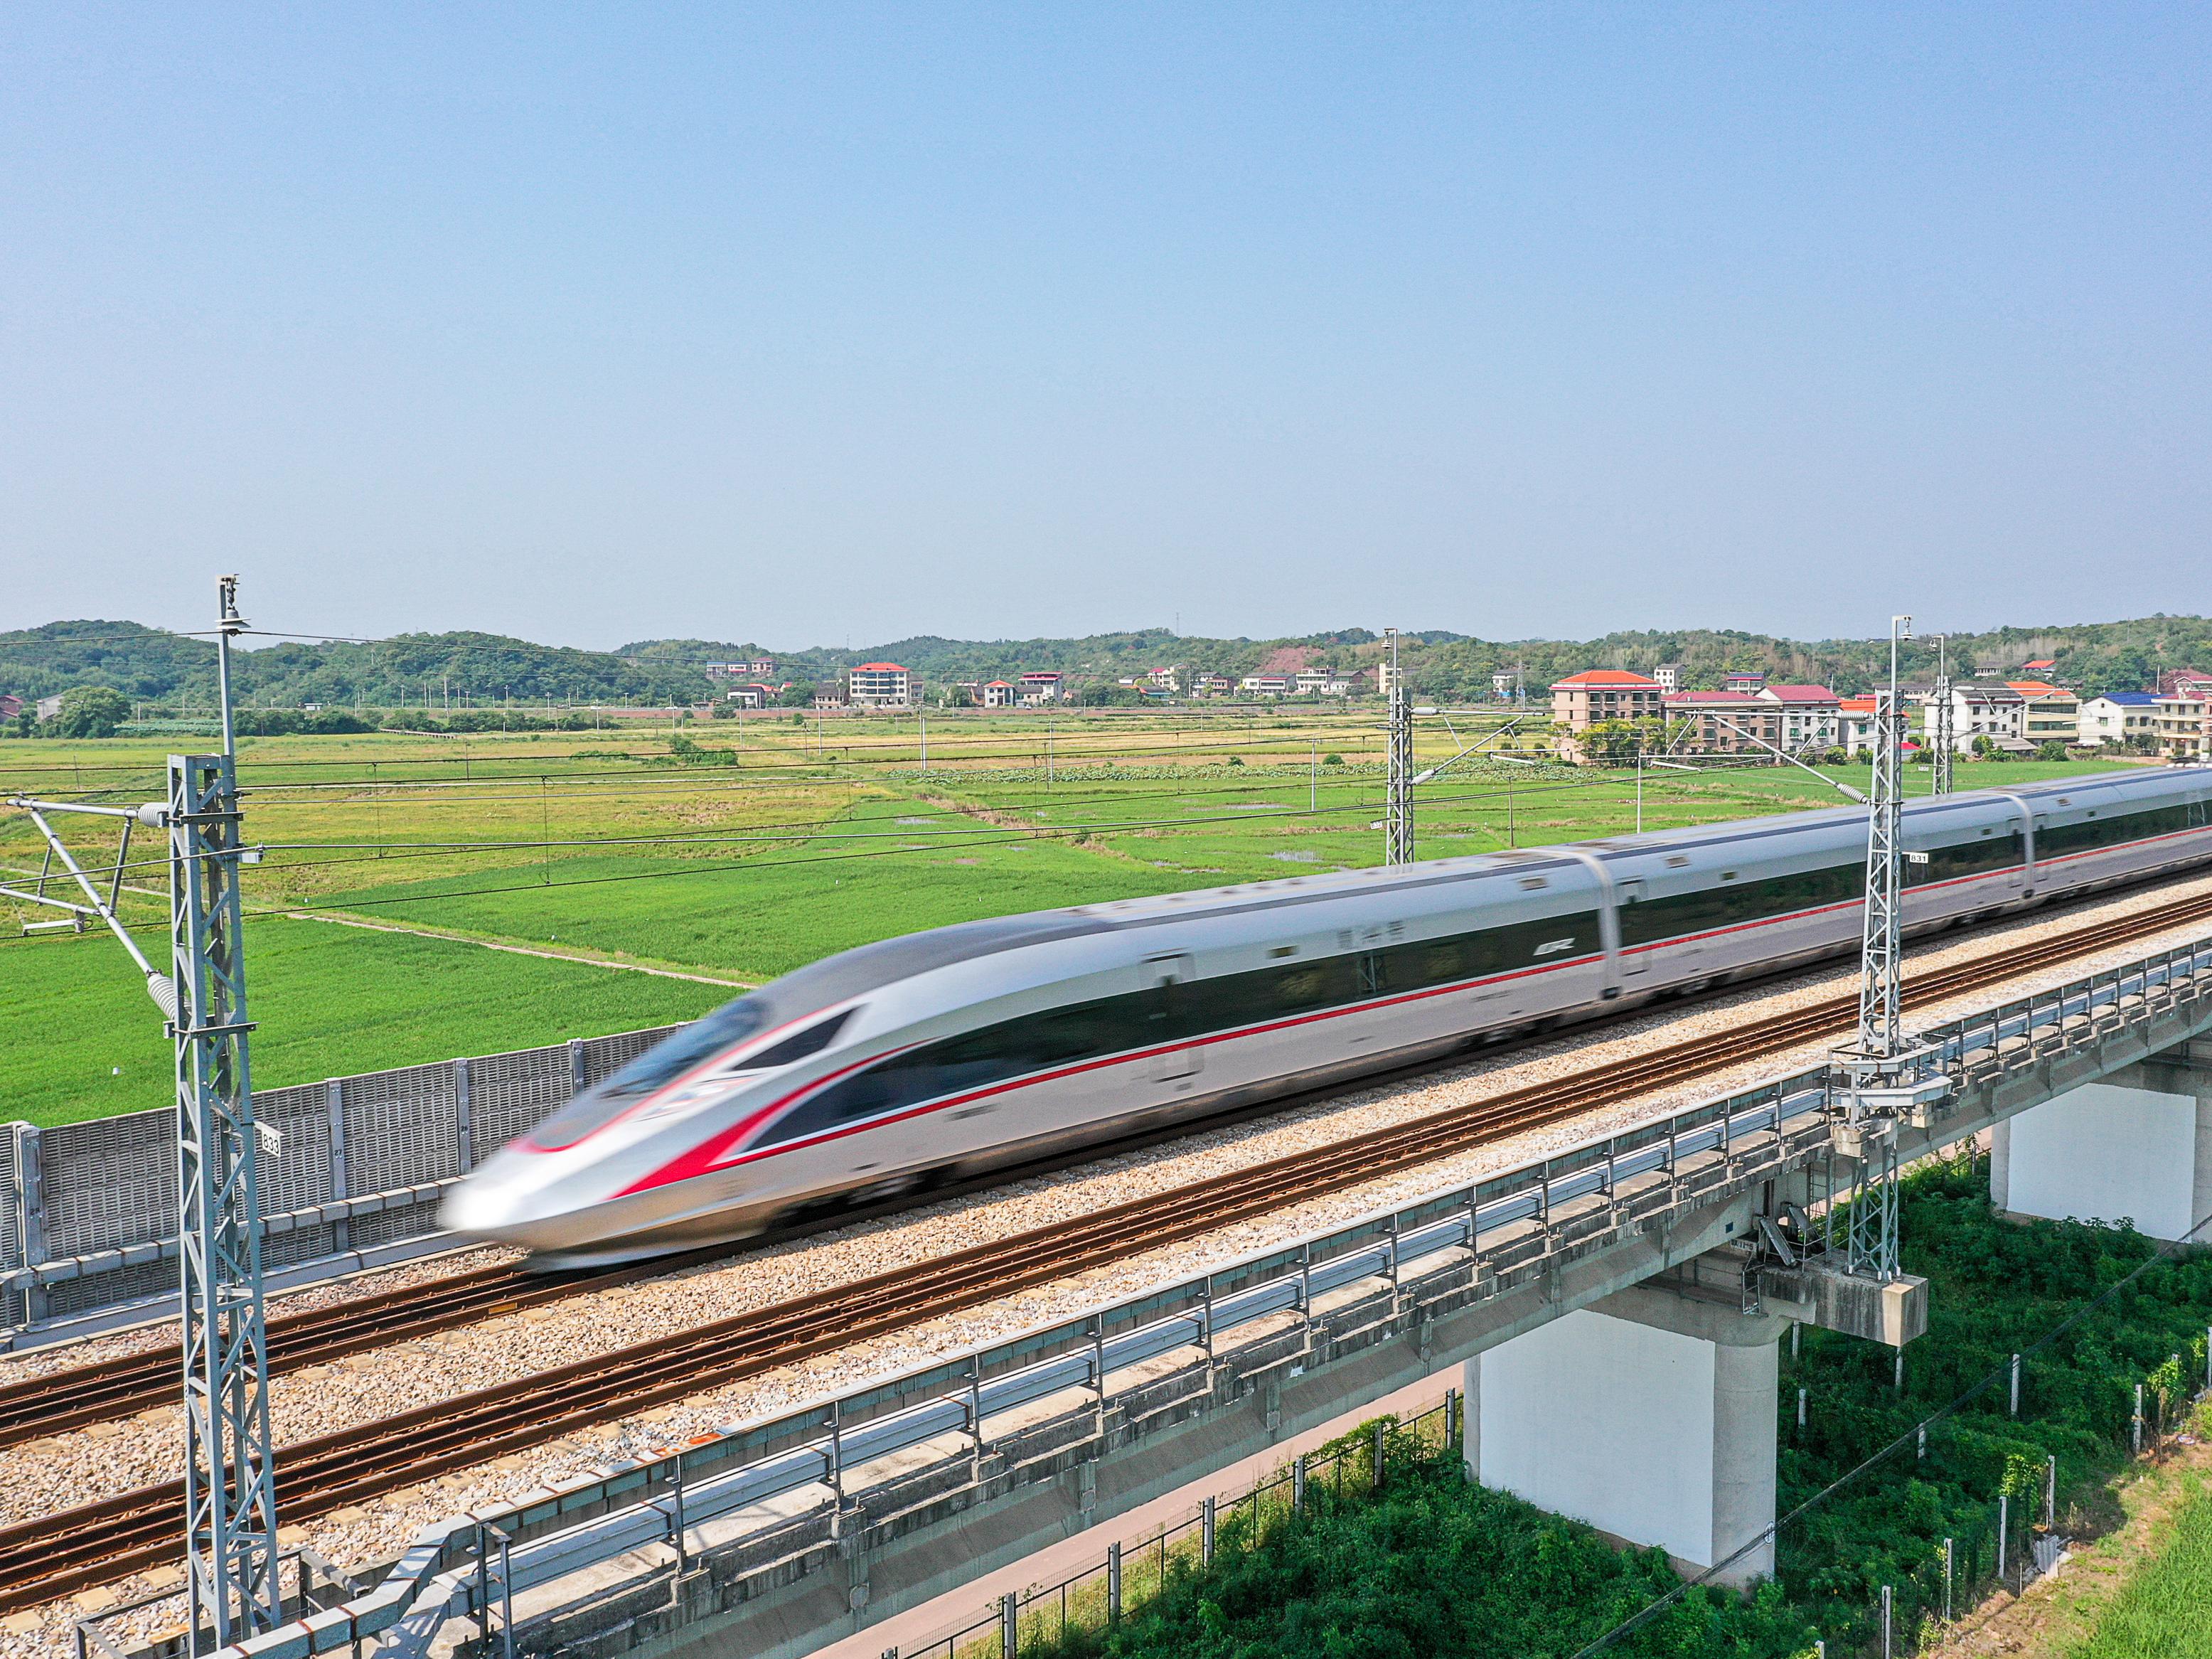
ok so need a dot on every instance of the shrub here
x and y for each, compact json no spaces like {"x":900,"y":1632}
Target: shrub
{"x":87,"y":711}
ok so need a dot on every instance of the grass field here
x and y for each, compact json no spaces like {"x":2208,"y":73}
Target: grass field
{"x":739,"y":854}
{"x":2165,"y":1612}
{"x":79,"y":1037}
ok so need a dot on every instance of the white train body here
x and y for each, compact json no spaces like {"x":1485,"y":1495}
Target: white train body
{"x":950,"y":1052}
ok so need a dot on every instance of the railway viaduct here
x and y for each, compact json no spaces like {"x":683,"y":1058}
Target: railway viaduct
{"x":1611,"y":1313}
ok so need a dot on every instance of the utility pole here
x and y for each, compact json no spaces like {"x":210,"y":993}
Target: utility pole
{"x":1881,"y":985}
{"x":1882,"y":1079}
{"x":1398,"y":807}
{"x":230,"y":1498}
{"x":230,"y":1479}
{"x":1939,"y":731}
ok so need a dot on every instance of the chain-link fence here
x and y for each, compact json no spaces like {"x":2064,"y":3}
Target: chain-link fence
{"x":1055,"y":1619}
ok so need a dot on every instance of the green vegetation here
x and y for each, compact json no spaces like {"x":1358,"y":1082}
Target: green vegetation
{"x":1996,"y":1288}
{"x":2165,"y":1612}
{"x":1434,"y":1565}
{"x":1431,"y":1566}
{"x":463,"y":669}
{"x":740,"y":850}
{"x":79,"y":1037}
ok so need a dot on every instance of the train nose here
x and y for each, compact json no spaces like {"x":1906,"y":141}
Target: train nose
{"x":504,"y":1206}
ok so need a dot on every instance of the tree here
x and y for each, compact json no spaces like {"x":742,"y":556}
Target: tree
{"x":88,"y":711}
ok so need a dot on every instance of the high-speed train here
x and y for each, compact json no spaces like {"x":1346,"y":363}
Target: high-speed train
{"x":904,"y":1064}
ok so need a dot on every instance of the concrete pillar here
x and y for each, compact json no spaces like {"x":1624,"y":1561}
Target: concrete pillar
{"x":1650,"y":1415}
{"x":2136,"y":1145}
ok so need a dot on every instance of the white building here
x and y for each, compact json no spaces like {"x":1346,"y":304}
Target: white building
{"x":1669,"y":676}
{"x":1041,"y":686}
{"x":1855,"y":722}
{"x":1319,"y":683}
{"x":1997,"y":712}
{"x":880,"y":685}
{"x":1268,"y":685}
{"x":1811,"y":715}
{"x":2117,"y":716}
{"x":999,"y":694}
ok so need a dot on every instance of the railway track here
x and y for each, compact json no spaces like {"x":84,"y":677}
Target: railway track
{"x":100,"y":1542}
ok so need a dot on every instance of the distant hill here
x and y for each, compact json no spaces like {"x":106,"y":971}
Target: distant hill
{"x":151,"y":665}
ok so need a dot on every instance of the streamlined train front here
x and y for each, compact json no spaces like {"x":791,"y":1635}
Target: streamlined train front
{"x":655,"y":1158}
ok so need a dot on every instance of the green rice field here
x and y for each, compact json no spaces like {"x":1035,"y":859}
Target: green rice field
{"x":735,"y":855}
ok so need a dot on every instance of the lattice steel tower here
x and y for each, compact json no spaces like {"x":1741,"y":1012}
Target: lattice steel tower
{"x":1939,"y":729}
{"x":230,"y":1484}
{"x":1398,"y":809}
{"x":1881,"y":982}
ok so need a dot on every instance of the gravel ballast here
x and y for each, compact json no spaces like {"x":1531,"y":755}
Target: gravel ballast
{"x":82,"y":1467}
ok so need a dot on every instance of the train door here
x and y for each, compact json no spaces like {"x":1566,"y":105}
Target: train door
{"x":1627,"y":893}
{"x":1170,"y":977}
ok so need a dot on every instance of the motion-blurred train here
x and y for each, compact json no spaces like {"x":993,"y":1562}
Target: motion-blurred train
{"x":899,"y":1065}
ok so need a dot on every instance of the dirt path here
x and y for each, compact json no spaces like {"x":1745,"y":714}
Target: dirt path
{"x":341,"y":920}
{"x":2060,"y":1610}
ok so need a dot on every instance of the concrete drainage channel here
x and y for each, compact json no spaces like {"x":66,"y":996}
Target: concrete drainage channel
{"x":791,"y":1527}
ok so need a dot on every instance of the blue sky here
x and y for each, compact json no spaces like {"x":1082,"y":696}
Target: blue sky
{"x":809,"y":323}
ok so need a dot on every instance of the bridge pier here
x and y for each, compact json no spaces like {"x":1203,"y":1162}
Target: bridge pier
{"x":1650,"y":1415}
{"x":2136,"y":1144}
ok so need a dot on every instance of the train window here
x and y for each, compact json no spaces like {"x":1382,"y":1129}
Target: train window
{"x":792,"y":1049}
{"x":726,"y":1027}
{"x":1989,"y":851}
{"x":1284,"y":950}
{"x":1707,"y":909}
{"x":1110,"y":1026}
{"x":1676,"y":861}
{"x":2093,"y":832}
{"x":1532,"y":883}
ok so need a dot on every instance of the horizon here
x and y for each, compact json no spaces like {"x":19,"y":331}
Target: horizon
{"x":2031,"y":629}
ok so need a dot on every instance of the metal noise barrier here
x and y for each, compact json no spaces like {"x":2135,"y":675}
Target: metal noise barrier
{"x":351,"y":1177}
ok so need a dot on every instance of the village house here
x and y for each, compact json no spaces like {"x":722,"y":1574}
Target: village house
{"x":1811,"y":715}
{"x":2117,"y":716}
{"x":880,"y":685}
{"x":1723,"y":722}
{"x":2053,"y":714}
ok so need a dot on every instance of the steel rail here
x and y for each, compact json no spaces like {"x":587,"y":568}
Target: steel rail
{"x":65,"y":1400}
{"x":99,"y":1542}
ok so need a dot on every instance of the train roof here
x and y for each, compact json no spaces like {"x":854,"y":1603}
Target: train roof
{"x":864,"y":969}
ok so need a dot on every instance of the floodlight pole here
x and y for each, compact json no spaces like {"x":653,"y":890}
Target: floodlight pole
{"x":1398,"y":813}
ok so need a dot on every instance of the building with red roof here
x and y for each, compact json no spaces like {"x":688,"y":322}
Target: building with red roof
{"x":1580,"y":701}
{"x":1722,"y":722}
{"x":1603,"y":694}
{"x":880,"y":685}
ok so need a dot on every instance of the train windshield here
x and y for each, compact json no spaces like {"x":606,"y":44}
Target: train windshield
{"x":668,"y":1059}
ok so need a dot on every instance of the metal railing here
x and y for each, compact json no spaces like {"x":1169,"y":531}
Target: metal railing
{"x":1129,"y":1576}
{"x":1433,"y":1256}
